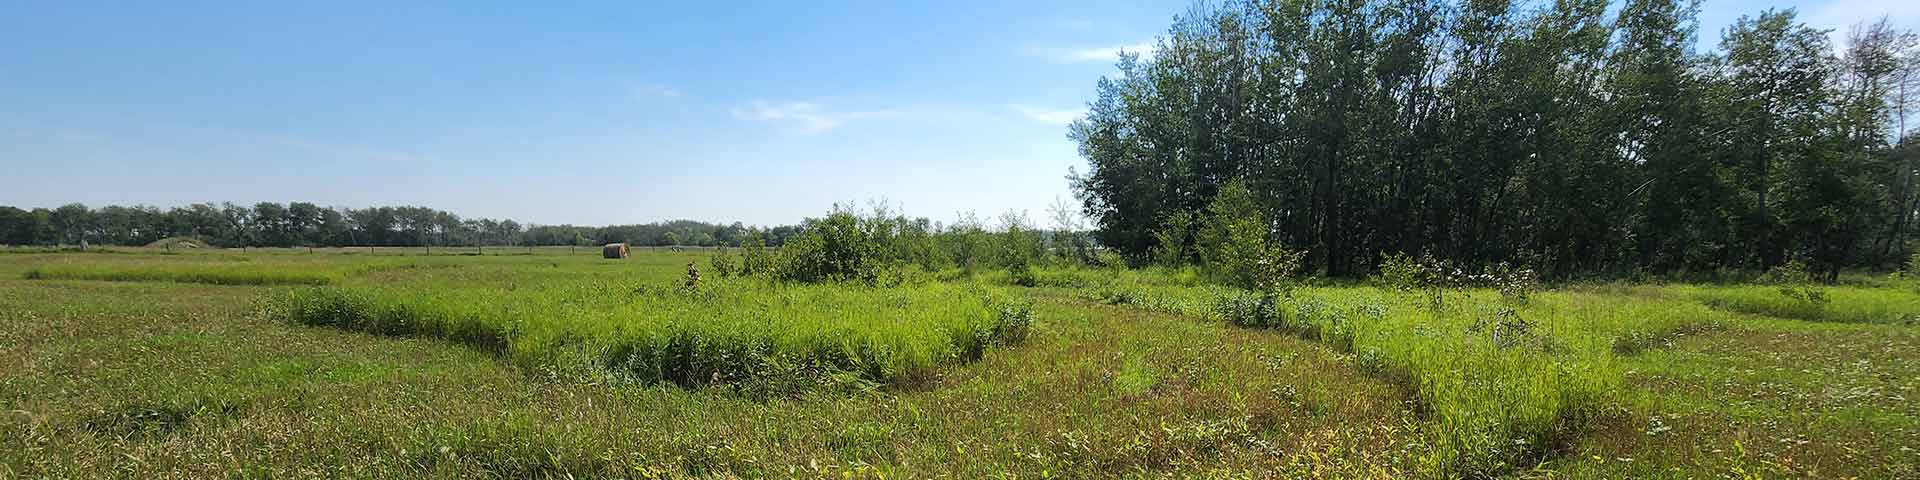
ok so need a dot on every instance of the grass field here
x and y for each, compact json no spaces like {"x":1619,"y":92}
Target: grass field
{"x":285,"y":363}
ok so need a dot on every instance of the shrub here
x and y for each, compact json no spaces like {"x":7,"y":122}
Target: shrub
{"x":1014,"y":320}
{"x":1170,"y":241}
{"x":724,"y":263}
{"x":1022,"y":275}
{"x":754,"y":257}
{"x":968,"y":242}
{"x":1516,"y":285}
{"x":1399,"y":272}
{"x":1019,"y":249}
{"x":1505,"y":328}
{"x":1431,"y":276}
{"x":1796,"y":283}
{"x":1249,"y":309}
{"x":1235,"y":247}
{"x":839,"y":247}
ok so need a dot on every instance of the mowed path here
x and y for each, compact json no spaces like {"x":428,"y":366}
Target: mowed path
{"x":1767,"y":398}
{"x":188,"y":381}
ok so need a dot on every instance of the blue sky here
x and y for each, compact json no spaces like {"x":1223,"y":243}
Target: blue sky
{"x":583,"y":112}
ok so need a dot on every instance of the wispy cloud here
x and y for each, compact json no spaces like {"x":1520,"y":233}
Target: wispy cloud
{"x":1841,"y":17}
{"x":803,"y":117}
{"x":1110,"y":53}
{"x":1051,"y":116}
{"x":1107,"y":53}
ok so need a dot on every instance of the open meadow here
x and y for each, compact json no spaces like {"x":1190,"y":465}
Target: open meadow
{"x":1234,"y":239}
{"x":288,"y":363}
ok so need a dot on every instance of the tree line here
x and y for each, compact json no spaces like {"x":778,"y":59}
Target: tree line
{"x":882,"y":246}
{"x":1578,"y":137}
{"x":301,"y":224}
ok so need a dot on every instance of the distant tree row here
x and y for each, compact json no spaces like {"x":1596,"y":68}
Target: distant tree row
{"x":269,"y":224}
{"x":883,"y":246}
{"x":1580,"y":137}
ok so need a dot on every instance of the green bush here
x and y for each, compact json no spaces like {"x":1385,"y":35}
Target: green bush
{"x":1796,"y":283}
{"x":839,"y":247}
{"x":1400,"y":272}
{"x":1170,"y":241}
{"x":724,"y":263}
{"x":754,"y":257}
{"x":1235,"y":243}
{"x":1249,"y":309}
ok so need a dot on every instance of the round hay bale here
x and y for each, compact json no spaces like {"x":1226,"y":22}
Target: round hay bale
{"x":614,"y":251}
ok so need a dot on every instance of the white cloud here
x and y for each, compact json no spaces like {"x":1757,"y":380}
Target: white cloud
{"x":1107,"y":53}
{"x":1841,"y":16}
{"x":803,"y":117}
{"x":1053,"y":116}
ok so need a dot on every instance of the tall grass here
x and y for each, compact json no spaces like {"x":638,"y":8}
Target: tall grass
{"x":727,"y":332}
{"x":233,"y":274}
{"x":1847,"y":304}
{"x":1502,"y":382}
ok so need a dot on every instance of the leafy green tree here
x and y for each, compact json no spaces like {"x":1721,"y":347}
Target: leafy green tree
{"x":272,"y":225}
{"x":19,"y":227}
{"x":72,"y":222}
{"x":1487,"y":132}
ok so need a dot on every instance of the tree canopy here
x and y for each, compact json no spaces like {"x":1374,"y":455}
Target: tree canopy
{"x":1576,"y":136}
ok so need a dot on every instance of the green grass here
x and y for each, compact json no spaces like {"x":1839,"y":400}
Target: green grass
{"x":725,"y":332}
{"x":162,"y":272}
{"x":171,"y":379}
{"x":1496,"y":399}
{"x":1845,"y":304}
{"x":552,"y":365}
{"x":224,"y":269}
